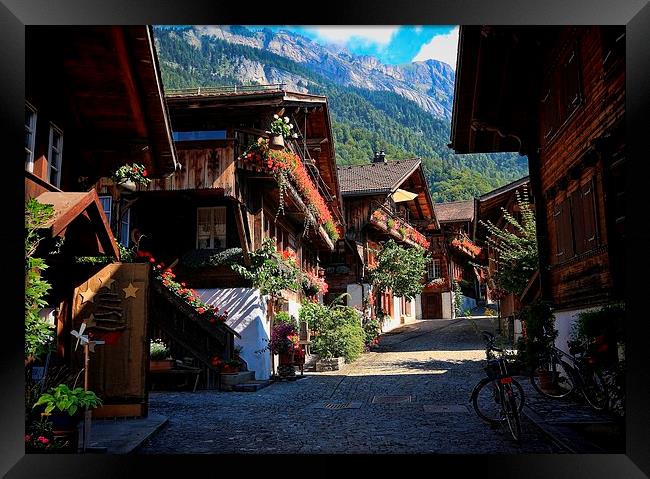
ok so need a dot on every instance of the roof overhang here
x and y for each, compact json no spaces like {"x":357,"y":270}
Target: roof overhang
{"x":68,"y":206}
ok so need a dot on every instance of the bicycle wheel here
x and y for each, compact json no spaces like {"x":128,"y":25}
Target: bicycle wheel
{"x":594,"y":389}
{"x":511,"y":411}
{"x":552,"y":378}
{"x":486,"y":400}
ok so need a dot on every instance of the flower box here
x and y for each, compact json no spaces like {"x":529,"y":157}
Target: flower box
{"x":329,"y":364}
{"x":161,"y":365}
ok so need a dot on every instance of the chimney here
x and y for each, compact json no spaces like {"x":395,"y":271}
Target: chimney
{"x":379,"y":157}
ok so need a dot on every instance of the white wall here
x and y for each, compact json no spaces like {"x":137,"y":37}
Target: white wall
{"x":417,"y":304}
{"x":247,"y":316}
{"x":564,"y":321}
{"x":355,"y":299}
{"x":447,"y":305}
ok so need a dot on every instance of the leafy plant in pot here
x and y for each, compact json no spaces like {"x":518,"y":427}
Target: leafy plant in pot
{"x":539,"y":338}
{"x":64,"y":407}
{"x":159,"y":356}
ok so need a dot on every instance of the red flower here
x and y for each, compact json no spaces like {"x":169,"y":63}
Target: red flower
{"x":151,"y":260}
{"x":144,"y":172}
{"x":28,"y":437}
{"x":212,"y":320}
{"x":183,"y":285}
{"x":43,"y":439}
{"x":201,"y":310}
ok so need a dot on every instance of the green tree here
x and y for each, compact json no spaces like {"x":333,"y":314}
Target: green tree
{"x":516,"y":246}
{"x":400,"y":270}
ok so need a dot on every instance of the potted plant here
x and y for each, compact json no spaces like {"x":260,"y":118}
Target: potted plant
{"x":129,"y":176}
{"x":539,"y":338}
{"x":159,"y":359}
{"x":284,"y":341}
{"x":232,"y":366}
{"x":64,"y":407}
{"x":40,"y":439}
{"x":280,"y":129}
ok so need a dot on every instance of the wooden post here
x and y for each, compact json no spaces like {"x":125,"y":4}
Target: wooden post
{"x":87,"y":412}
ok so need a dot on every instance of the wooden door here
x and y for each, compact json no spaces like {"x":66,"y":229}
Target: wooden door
{"x":431,"y":306}
{"x":114,"y":303}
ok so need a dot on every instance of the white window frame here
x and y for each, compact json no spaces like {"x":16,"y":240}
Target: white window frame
{"x":125,"y":227}
{"x":59,"y":149}
{"x":31,"y":128}
{"x":222,"y":237}
{"x":110,"y":207}
{"x":433,"y":269}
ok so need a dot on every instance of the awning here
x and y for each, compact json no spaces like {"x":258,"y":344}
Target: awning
{"x":403,"y":195}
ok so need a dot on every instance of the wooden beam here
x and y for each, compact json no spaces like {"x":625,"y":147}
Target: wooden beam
{"x":243,"y":237}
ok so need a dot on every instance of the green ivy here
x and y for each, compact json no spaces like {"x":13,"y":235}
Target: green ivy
{"x":269,"y":272}
{"x":38,"y":334}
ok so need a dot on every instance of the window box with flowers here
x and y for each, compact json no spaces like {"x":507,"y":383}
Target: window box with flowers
{"x":159,"y":359}
{"x":290,"y":174}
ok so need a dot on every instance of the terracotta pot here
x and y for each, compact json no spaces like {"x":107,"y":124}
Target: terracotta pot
{"x":545,"y":379}
{"x":276,"y":142}
{"x":226,"y":369}
{"x":161,"y":365}
{"x":286,"y":358}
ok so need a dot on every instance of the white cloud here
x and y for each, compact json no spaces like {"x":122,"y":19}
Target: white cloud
{"x":442,"y":48}
{"x":335,"y":34}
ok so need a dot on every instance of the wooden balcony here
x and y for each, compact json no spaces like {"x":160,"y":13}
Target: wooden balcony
{"x":462,"y":243}
{"x":383,"y":219}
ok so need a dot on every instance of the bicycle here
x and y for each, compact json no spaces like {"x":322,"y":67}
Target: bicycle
{"x":562,"y":373}
{"x":498,"y":397}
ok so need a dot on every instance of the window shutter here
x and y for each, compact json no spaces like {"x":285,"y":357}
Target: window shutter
{"x":572,"y":82}
{"x":589,"y":211}
{"x":559,"y":238}
{"x":577,"y":216}
{"x":567,"y":230}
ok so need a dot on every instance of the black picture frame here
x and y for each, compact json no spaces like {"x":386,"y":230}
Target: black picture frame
{"x":635,"y":14}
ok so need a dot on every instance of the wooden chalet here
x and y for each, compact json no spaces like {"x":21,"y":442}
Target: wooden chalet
{"x":94,"y":102}
{"x":217,"y":202}
{"x":556,"y":94}
{"x":489,"y":207}
{"x":382,"y":200}
{"x":453,"y":250}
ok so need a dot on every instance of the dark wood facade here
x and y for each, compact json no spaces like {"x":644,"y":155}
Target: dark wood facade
{"x":558,"y":95}
{"x":212,"y":131}
{"x":373,"y":216}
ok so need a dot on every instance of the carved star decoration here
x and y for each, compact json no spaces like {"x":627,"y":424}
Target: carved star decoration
{"x":88,"y":296}
{"x":107,"y":282}
{"x":130,"y":291}
{"x":90,"y":321}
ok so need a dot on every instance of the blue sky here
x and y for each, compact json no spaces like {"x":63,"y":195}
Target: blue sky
{"x":392,"y":45}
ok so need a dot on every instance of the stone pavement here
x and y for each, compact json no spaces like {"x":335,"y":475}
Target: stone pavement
{"x":410,"y":395}
{"x":123,"y":436}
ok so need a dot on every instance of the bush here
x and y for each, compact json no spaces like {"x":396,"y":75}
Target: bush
{"x":158,"y":350}
{"x":372,"y":330}
{"x":337,"y":330}
{"x":284,"y":317}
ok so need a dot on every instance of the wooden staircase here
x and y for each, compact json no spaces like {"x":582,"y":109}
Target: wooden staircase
{"x":182,"y":328}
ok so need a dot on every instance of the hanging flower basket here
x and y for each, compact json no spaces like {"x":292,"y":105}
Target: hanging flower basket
{"x":127,"y":185}
{"x":276,"y":142}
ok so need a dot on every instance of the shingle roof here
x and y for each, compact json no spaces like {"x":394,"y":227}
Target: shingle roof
{"x":454,"y":211}
{"x":375,"y":177}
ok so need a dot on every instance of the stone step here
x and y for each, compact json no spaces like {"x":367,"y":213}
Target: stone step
{"x":228,"y":381}
{"x":251,"y":386}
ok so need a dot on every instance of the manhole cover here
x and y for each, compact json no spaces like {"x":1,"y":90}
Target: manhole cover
{"x":337,"y":405}
{"x":330,"y":405}
{"x":450,"y":408}
{"x":391,"y":399}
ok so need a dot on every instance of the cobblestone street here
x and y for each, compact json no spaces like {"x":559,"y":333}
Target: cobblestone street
{"x":433,"y":364}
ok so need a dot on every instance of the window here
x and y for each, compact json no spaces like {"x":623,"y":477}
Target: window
{"x":576,"y":224}
{"x":107,"y":204}
{"x":433,"y":269}
{"x":125,"y":226}
{"x":199,"y":135}
{"x":211,"y":227}
{"x":55,"y":152}
{"x":571,"y":84}
{"x":30,"y":136}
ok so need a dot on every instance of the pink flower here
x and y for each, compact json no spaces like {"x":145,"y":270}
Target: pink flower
{"x":28,"y":437}
{"x":43,"y":439}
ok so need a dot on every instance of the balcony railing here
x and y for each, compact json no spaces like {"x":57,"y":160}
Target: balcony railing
{"x":387,"y":220}
{"x":224,"y":90}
